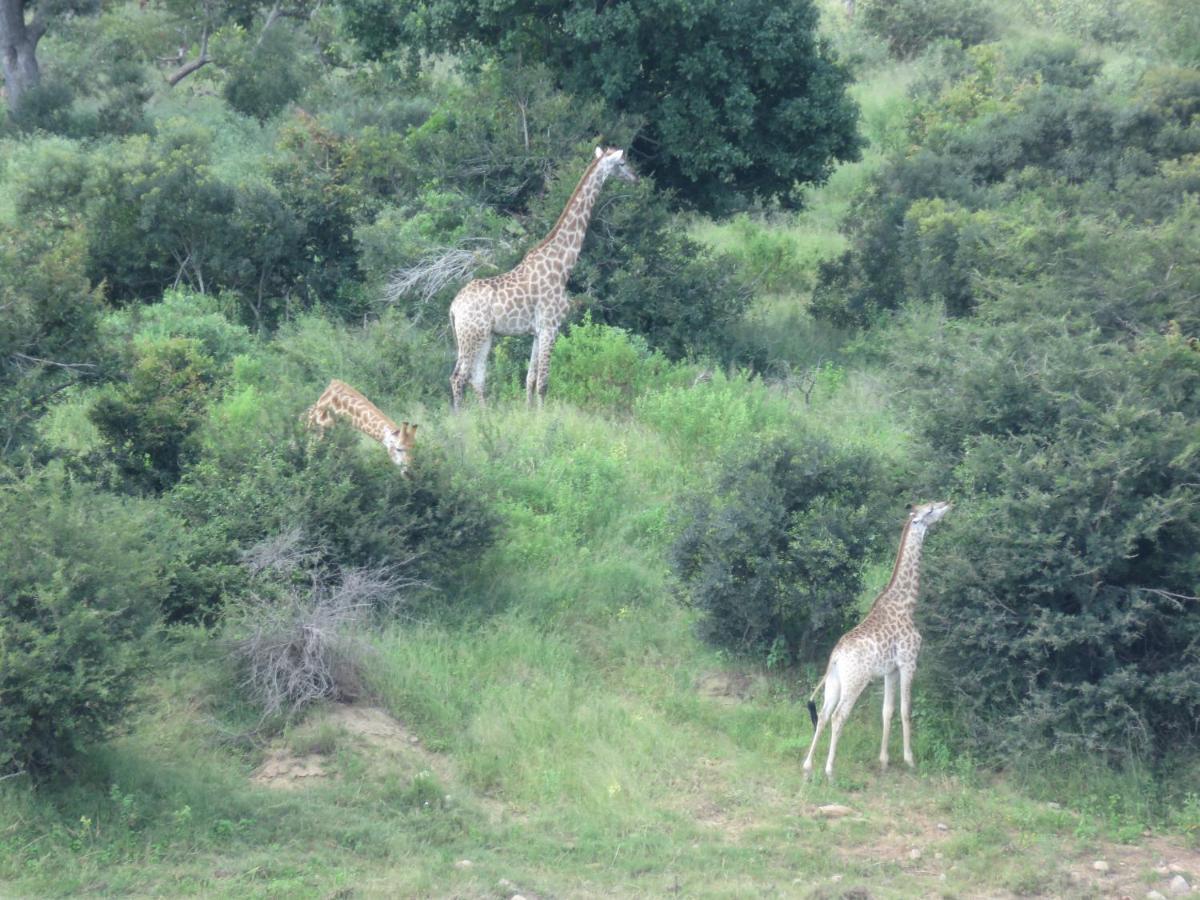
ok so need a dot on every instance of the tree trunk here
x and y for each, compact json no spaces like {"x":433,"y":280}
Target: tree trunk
{"x":18,"y":46}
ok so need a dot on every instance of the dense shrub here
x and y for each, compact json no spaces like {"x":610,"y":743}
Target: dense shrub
{"x":1061,"y":613}
{"x":148,"y":419}
{"x":347,"y":498}
{"x":774,"y":557}
{"x":597,"y":365}
{"x":80,"y":581}
{"x":1019,"y":177}
{"x":909,"y":26}
{"x":48,"y":316}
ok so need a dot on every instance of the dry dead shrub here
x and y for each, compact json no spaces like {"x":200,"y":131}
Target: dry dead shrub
{"x":301,"y":633}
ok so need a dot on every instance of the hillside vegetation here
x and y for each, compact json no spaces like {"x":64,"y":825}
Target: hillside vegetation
{"x":567,"y":651}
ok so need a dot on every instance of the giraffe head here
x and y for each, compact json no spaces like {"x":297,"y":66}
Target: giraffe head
{"x":399,"y":442}
{"x":925,"y":515}
{"x":613,"y":162}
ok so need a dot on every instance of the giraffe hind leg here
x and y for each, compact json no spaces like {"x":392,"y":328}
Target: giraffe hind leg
{"x":833,"y":690}
{"x":852,"y":685}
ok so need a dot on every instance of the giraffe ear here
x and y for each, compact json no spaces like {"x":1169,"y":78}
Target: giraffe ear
{"x":599,"y":153}
{"x":619,"y":155}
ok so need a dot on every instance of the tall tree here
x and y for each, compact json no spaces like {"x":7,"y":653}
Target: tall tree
{"x":18,"y":49}
{"x":737,"y":98}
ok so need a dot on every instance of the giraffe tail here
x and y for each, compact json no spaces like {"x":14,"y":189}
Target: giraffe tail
{"x":812,"y":707}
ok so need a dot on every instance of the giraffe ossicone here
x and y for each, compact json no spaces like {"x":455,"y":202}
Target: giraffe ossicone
{"x":532,"y":298}
{"x":340,"y":400}
{"x":884,"y":644}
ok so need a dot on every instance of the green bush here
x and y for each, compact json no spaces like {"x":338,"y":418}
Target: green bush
{"x":347,"y":499}
{"x":909,"y":26}
{"x":774,"y":558}
{"x":1059,"y":614}
{"x":148,"y":420}
{"x":80,"y":583}
{"x":49,"y":312}
{"x":600,"y":366}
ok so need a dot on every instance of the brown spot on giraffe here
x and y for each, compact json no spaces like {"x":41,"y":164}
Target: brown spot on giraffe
{"x":532,"y":298}
{"x":340,"y":400}
{"x":885,"y":643}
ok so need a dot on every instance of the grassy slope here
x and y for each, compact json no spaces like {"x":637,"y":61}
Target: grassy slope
{"x":580,"y":742}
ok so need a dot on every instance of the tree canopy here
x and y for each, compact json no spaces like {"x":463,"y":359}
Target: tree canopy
{"x":736,"y":99}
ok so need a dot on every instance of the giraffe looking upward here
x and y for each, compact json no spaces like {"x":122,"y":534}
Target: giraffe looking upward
{"x":532,"y":298}
{"x":885,"y":643}
{"x":339,"y":399}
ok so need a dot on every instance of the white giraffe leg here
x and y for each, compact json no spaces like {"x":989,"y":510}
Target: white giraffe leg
{"x":890,"y":684}
{"x":833,"y":691}
{"x":906,"y":677}
{"x":851,"y":688}
{"x":545,"y":341}
{"x":479,"y":368}
{"x":531,"y":376}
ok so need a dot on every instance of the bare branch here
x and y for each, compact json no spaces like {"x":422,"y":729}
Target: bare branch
{"x":37,"y":360}
{"x":441,"y":267}
{"x":199,"y":62}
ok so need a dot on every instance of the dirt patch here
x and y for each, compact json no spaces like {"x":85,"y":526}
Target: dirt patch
{"x":284,"y":770}
{"x":729,"y":687}
{"x":368,"y":730}
{"x":1133,"y":870}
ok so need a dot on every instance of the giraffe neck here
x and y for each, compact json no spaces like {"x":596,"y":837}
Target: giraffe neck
{"x":901,"y":592}
{"x":360,"y":412}
{"x":565,"y":239}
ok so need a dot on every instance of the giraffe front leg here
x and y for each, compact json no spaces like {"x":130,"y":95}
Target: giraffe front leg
{"x":906,"y":677}
{"x":889,"y":706}
{"x":531,"y":376}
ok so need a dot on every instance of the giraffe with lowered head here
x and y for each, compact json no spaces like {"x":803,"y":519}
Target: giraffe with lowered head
{"x":885,"y":643}
{"x":341,"y":400}
{"x":532,"y":298}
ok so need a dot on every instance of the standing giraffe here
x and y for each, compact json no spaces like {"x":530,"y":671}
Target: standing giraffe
{"x":339,"y":399}
{"x":885,"y":643}
{"x":532,"y":298}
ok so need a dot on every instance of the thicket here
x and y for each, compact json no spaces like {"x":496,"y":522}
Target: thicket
{"x":773,"y":557}
{"x":82,"y":574}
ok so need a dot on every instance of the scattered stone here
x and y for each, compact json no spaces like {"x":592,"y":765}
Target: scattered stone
{"x":463,"y":864}
{"x":836,"y":878}
{"x":505,"y":885}
{"x":914,"y":853}
{"x":1179,"y":885}
{"x":516,"y":897}
{"x":1054,"y":805}
{"x":413,"y":739}
{"x":1100,"y":866}
{"x":942,"y":826}
{"x":834,"y":811}
{"x":937,"y":855}
{"x":1154,"y":895}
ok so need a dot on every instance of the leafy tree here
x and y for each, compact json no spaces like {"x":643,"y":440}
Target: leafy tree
{"x":735,"y":100}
